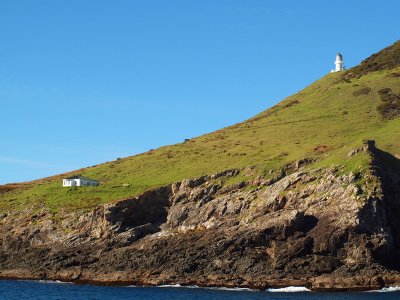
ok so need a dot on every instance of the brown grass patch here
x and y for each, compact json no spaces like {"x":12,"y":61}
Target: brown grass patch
{"x":322,"y":148}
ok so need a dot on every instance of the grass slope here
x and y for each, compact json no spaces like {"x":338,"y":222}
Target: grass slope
{"x":325,"y":121}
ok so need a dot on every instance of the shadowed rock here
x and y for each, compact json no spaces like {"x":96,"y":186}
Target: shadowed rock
{"x":310,"y":227}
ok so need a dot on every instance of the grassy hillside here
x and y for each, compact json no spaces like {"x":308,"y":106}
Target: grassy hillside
{"x":324,"y":121}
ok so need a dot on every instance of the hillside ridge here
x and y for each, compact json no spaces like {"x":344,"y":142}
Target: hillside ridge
{"x":347,"y":109}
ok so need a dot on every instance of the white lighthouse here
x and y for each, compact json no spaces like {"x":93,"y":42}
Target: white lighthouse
{"x":338,"y":63}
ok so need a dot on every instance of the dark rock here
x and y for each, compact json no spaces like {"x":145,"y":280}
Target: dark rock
{"x":308,"y":227}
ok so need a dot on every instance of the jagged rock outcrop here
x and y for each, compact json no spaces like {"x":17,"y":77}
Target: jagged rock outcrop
{"x":321,"y":228}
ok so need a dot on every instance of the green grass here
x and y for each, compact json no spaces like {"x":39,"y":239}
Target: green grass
{"x":325,"y":120}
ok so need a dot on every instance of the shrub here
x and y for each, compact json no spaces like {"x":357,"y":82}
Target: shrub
{"x":364,"y":91}
{"x":394,"y":74}
{"x":385,"y":91}
{"x":389,"y":110}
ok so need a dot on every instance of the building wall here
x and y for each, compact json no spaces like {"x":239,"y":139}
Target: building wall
{"x":79,"y":182}
{"x":70,"y":182}
{"x":88,"y":182}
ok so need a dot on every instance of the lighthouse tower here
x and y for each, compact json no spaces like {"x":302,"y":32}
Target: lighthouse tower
{"x":338,"y":63}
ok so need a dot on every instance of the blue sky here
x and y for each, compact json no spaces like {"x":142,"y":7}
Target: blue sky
{"x":87,"y":81}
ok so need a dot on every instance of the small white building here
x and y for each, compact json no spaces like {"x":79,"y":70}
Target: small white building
{"x":79,"y":181}
{"x":338,"y":63}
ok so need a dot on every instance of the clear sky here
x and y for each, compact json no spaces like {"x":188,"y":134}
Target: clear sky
{"x":87,"y":81}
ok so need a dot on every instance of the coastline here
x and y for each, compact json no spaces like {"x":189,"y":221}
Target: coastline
{"x":231,"y":241}
{"x":314,"y":284}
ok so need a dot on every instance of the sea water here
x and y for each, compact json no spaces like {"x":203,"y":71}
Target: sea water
{"x":21,"y":290}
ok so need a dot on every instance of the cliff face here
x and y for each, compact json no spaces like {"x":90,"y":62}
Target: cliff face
{"x":321,"y":228}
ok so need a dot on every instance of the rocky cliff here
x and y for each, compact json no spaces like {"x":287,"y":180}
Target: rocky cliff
{"x":322,"y":228}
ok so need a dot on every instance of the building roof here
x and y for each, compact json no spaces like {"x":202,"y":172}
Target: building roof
{"x":340,"y":55}
{"x":80,"y":177}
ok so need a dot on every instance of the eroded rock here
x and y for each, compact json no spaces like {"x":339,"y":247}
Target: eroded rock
{"x":312,"y":227}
